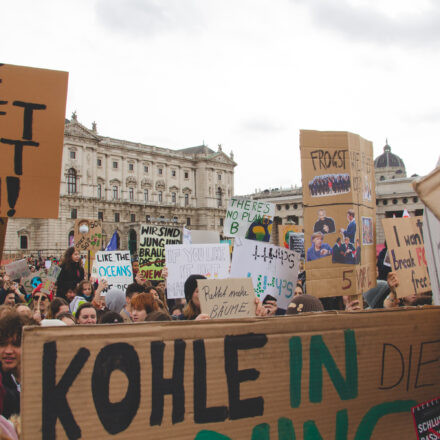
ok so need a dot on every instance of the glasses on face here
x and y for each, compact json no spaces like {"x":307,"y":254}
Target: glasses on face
{"x":43,"y":298}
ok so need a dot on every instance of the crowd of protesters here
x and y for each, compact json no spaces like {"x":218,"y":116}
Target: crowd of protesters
{"x":76,"y":300}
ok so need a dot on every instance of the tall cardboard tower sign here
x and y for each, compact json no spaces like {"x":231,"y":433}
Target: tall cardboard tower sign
{"x":32,"y":111}
{"x":339,"y":212}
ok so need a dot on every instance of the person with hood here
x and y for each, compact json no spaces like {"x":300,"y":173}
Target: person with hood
{"x":115,"y":301}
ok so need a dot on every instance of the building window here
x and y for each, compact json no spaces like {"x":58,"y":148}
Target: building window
{"x":71,"y":181}
{"x":186,"y":174}
{"x":173,"y":197}
{"x":287,"y":206}
{"x":73,"y":213}
{"x":99,"y":162}
{"x":101,"y":215}
{"x":405,"y":200}
{"x":186,"y":199}
{"x":175,"y":219}
{"x":147,"y":218}
{"x":415,"y":199}
{"x":115,"y":165}
{"x":162,"y":218}
{"x":145,"y":169}
{"x":279,"y":207}
{"x":188,"y":221}
{"x":219,"y":198}
{"x":173,"y":173}
{"x":159,"y":196}
{"x":117,"y":217}
{"x":385,"y":202}
{"x":99,"y":190}
{"x":23,"y":242}
{"x":221,"y":222}
{"x":72,"y":155}
{"x":295,"y":206}
{"x":382,"y":178}
{"x":132,"y":218}
{"x":130,"y":167}
{"x":159,"y":171}
{"x":115,"y":193}
{"x":394,"y":201}
{"x":146,"y":195}
{"x":131,"y":194}
{"x":219,"y":177}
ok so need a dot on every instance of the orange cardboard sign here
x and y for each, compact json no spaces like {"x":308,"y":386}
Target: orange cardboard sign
{"x":339,"y":212}
{"x":32,"y":112}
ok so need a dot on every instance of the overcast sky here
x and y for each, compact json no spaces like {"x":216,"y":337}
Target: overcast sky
{"x":247,"y":74}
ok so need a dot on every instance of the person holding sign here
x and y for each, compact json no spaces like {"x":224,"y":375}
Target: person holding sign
{"x":318,"y":248}
{"x":72,"y":272}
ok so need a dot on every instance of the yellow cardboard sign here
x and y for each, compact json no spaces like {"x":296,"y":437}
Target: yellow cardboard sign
{"x":32,"y":112}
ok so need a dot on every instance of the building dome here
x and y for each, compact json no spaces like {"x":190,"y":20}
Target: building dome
{"x":389,"y":165}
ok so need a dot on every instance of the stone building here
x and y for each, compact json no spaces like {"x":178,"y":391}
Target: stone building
{"x":394,"y":193}
{"x":124,"y":184}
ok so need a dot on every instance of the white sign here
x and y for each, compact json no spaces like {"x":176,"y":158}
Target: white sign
{"x":17,"y":269}
{"x":249,"y":219}
{"x":210,"y":260}
{"x":273,"y":269}
{"x":115,"y":267}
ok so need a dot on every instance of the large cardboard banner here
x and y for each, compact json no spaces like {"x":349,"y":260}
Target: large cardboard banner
{"x":17,"y":269}
{"x":273,"y":269}
{"x":350,"y":376}
{"x":406,"y":250}
{"x":249,"y":218}
{"x":152,"y":248}
{"x":88,"y":235}
{"x":227,"y":299}
{"x":3,"y":226}
{"x":210,"y":260}
{"x":32,"y":112}
{"x":339,"y":213}
{"x":115,"y":267}
{"x":284,"y":234}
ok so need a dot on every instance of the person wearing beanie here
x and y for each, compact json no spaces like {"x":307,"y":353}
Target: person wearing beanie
{"x":192,"y":309}
{"x":304,"y":303}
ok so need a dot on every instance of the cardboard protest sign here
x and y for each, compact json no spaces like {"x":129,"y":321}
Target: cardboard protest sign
{"x":152,"y":248}
{"x":31,"y":281}
{"x":51,"y":278}
{"x":3,"y":226}
{"x":274,"y":270}
{"x":210,"y":260}
{"x":32,"y":111}
{"x":228,"y":298}
{"x":351,"y":376}
{"x":339,"y":213}
{"x":17,"y":269}
{"x":427,"y":419}
{"x":404,"y":237}
{"x":115,"y":267}
{"x":428,"y":188}
{"x":204,"y":237}
{"x":284,"y":234}
{"x":431,"y":234}
{"x":249,"y":219}
{"x":88,"y":235}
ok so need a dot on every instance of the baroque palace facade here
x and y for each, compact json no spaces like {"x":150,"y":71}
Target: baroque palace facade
{"x":394,"y":193}
{"x":125,"y":184}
